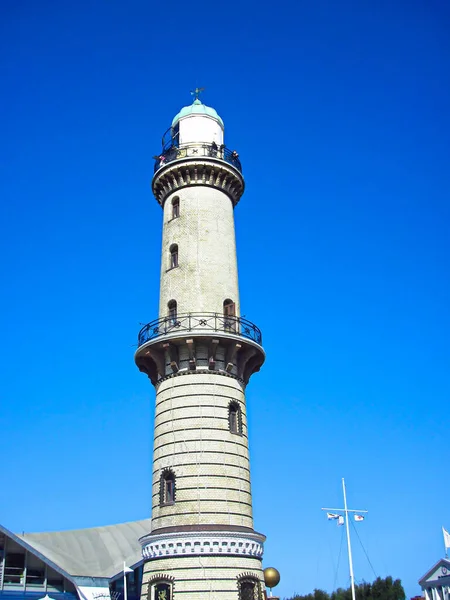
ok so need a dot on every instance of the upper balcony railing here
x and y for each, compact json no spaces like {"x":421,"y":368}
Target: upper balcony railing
{"x":171,"y":153}
{"x":200,"y":322}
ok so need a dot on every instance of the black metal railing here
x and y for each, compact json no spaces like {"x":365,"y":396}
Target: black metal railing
{"x":171,"y":138}
{"x":200,"y":322}
{"x":171,"y":153}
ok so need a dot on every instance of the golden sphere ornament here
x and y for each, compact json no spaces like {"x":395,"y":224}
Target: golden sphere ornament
{"x":271,"y":577}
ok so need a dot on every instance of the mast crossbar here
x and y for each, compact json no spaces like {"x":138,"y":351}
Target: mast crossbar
{"x":348,"y":510}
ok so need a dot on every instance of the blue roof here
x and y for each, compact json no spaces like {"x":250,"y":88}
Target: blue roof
{"x":197,"y":108}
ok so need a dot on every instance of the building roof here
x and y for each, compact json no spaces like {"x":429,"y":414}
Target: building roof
{"x":93,"y":552}
{"x":197,"y":108}
{"x":438,"y":574}
{"x":10,"y":535}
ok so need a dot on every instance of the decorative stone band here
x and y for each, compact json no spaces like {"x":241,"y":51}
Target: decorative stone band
{"x":197,"y":543}
{"x":187,"y":172}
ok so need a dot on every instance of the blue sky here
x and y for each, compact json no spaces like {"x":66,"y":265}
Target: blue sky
{"x":339,"y":111}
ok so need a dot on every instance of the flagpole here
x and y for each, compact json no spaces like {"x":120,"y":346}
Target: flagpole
{"x":350,"y":562}
{"x":125,"y":591}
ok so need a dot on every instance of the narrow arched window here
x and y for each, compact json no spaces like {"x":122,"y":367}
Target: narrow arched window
{"x":175,"y":207}
{"x":249,"y":589}
{"x":229,"y":308}
{"x":229,"y":313}
{"x":167,"y":487}
{"x":234,"y":418}
{"x":160,"y":590}
{"x":172,"y":310}
{"x":173,"y":256}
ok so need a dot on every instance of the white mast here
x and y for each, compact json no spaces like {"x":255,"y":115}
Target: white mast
{"x":125,"y":590}
{"x":346,"y":510}
{"x":349,"y":546}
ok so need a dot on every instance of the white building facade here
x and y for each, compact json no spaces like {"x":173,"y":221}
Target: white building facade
{"x":200,"y":354}
{"x":435,"y":583}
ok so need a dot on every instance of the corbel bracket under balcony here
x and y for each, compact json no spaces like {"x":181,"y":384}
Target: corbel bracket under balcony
{"x":204,"y":172}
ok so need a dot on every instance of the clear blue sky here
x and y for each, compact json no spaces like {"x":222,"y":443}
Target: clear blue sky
{"x":339,"y":111}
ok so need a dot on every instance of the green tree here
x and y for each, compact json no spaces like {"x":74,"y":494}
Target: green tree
{"x":380,"y":589}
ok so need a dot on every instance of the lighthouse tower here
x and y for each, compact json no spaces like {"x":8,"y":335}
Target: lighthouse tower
{"x":199,"y":354}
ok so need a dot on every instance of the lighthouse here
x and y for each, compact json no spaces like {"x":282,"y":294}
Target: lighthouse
{"x":199,"y":354}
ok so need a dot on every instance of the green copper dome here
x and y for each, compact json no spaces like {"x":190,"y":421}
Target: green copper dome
{"x":196,"y":108}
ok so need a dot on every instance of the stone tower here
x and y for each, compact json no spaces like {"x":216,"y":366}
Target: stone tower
{"x":199,"y":354}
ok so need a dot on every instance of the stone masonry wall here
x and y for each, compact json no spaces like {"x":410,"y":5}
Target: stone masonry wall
{"x":211,"y":464}
{"x":207,"y":271}
{"x":202,"y":577}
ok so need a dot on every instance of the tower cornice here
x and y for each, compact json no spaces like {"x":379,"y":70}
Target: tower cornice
{"x":202,"y":542}
{"x":194,"y":170}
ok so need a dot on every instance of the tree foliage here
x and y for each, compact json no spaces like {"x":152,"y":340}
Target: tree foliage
{"x":380,"y":589}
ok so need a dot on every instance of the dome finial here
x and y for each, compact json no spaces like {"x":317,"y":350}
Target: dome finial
{"x":196,"y":93}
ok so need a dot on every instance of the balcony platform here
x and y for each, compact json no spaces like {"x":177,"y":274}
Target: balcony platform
{"x":199,"y":342}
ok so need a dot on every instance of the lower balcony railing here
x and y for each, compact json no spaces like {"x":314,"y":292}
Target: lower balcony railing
{"x":198,"y":151}
{"x":200,"y":322}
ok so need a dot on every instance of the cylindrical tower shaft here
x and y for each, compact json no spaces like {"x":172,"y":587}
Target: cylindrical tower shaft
{"x":192,"y":438}
{"x":199,"y":227}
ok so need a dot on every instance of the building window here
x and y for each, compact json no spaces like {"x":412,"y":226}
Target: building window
{"x":35,"y":573}
{"x":249,"y":589}
{"x":229,"y":312}
{"x":176,"y":134}
{"x":167,"y":488}
{"x":160,"y":589}
{"x":55,"y":582}
{"x":14,"y":569}
{"x":229,"y":308}
{"x":173,"y":256}
{"x":235,"y":418}
{"x":172,"y":309}
{"x":175,"y":207}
